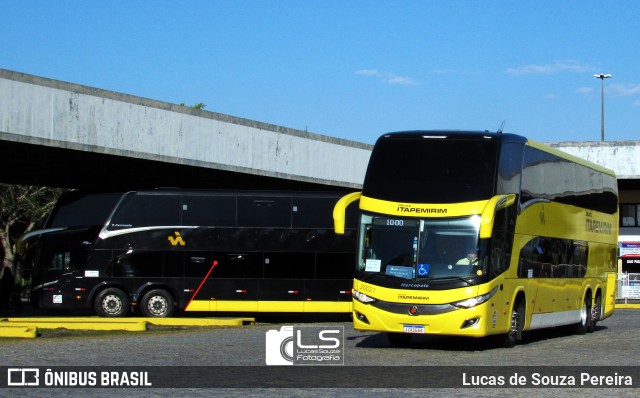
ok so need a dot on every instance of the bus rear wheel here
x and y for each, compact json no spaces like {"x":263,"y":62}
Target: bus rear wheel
{"x":585,"y":317}
{"x":157,"y":303}
{"x":111,"y":302}
{"x":596,"y":313}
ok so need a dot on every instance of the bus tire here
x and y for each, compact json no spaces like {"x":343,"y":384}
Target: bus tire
{"x":111,"y":302}
{"x":157,"y":303}
{"x":585,"y":317}
{"x":516,"y":325}
{"x":399,"y":339}
{"x":596,"y":313}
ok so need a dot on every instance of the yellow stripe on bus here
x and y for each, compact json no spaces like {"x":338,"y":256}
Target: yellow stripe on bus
{"x":270,"y":306}
{"x":422,"y":210}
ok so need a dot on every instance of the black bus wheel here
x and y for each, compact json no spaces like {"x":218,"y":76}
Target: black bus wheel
{"x":585,"y":317}
{"x":111,"y":302}
{"x":596,"y":313}
{"x":157,"y":303}
{"x":516,"y":325}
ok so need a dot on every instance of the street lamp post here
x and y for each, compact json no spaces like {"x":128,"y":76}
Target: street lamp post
{"x":602,"y":76}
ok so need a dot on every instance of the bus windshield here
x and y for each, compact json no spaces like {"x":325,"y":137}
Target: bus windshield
{"x":419,"y":248}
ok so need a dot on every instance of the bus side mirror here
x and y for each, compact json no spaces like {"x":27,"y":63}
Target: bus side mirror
{"x":340,"y":211}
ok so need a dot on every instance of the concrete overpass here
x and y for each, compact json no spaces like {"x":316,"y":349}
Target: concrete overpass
{"x":56,"y":133}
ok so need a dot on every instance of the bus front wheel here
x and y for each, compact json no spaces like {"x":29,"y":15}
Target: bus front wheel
{"x":157,"y":303}
{"x":111,"y":302}
{"x":516,"y":325}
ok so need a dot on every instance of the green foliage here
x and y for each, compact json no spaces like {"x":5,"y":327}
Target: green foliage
{"x":197,"y":105}
{"x":22,"y":208}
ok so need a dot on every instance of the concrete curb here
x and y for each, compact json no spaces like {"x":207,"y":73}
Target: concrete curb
{"x":25,"y":332}
{"x":78,"y":325}
{"x":627,"y":306}
{"x":153,"y":321}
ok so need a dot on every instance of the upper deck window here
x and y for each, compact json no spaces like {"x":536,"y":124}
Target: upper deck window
{"x":550,"y":177}
{"x":432,"y":170}
{"x":78,"y":209}
{"x":137,"y":211}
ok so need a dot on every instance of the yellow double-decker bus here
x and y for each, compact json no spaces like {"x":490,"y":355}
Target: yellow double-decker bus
{"x":477,"y":234}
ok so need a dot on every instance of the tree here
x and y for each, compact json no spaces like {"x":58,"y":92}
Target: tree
{"x":22,"y":208}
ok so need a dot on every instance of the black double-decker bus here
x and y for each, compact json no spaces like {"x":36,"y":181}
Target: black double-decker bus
{"x":160,"y":251}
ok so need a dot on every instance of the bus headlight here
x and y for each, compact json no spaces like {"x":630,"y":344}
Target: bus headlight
{"x":361,"y":297}
{"x":472,"y":302}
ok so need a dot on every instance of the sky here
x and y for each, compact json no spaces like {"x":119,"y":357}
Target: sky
{"x":351,"y":69}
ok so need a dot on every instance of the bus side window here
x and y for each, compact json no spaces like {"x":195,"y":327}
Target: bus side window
{"x":173,"y":264}
{"x":502,"y":240}
{"x":100,"y":260}
{"x":237,"y":265}
{"x":147,"y":210}
{"x":312,"y":212}
{"x":60,"y":262}
{"x":334,"y":265}
{"x":264,"y":212}
{"x":209,"y":210}
{"x":367,"y":251}
{"x":289,"y":265}
{"x":138,"y":264}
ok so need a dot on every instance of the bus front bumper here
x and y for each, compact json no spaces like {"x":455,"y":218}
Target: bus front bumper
{"x":54,"y":297}
{"x":478,"y":321}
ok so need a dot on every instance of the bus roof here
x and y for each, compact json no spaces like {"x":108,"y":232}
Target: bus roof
{"x":239,"y":192}
{"x":502,"y":137}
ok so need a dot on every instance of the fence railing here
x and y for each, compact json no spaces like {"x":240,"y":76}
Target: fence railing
{"x":628,"y":287}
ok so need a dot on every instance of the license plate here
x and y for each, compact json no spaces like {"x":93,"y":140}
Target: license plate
{"x":418,"y":329}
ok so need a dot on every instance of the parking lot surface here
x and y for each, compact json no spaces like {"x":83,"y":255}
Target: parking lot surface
{"x":614,"y":343}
